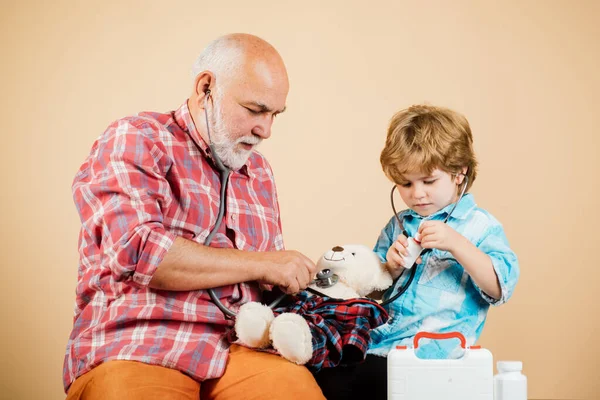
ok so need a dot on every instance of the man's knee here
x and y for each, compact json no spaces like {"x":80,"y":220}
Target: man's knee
{"x":133,"y":380}
{"x":291,"y":373}
{"x":257,"y":375}
{"x":296,"y":382}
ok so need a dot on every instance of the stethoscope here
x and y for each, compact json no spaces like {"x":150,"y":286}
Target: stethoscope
{"x":413,"y":269}
{"x":224,"y":173}
{"x":325,"y":278}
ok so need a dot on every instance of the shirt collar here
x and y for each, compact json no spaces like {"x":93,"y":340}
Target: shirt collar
{"x":183,"y":118}
{"x":462,"y":211}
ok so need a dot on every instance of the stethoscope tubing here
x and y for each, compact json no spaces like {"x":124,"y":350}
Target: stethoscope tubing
{"x":401,"y":226}
{"x":224,"y":174}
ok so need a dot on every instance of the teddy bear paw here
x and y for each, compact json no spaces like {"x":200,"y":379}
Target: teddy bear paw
{"x":292,"y":338}
{"x":252,"y":325}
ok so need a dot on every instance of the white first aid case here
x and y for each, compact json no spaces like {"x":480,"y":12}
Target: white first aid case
{"x":467,"y":378}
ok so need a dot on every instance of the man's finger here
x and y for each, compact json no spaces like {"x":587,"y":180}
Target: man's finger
{"x":303,"y":279}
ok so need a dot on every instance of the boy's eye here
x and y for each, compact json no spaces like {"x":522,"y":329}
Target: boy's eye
{"x":429,"y":182}
{"x":407,"y":184}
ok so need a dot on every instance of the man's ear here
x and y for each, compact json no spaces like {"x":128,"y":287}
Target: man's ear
{"x":203,"y":85}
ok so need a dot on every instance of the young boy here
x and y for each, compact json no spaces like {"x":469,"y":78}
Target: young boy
{"x":429,"y":156}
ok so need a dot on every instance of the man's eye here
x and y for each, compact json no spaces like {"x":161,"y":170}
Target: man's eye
{"x":254,"y":112}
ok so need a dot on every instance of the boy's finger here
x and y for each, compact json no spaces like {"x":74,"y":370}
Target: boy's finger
{"x":400,"y":248}
{"x":398,"y":260}
{"x":425,"y":243}
{"x":395,"y":260}
{"x":402,"y":239}
{"x":428,"y":230}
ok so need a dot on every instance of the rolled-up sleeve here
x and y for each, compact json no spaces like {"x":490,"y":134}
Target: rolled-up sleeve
{"x":120,"y":193}
{"x":506,"y":265}
{"x":388,"y":235}
{"x":385,"y":240}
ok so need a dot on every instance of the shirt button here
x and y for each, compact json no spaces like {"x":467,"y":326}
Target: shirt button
{"x":233,"y":217}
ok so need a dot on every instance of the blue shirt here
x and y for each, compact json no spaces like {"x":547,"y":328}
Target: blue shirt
{"x":443,"y":297}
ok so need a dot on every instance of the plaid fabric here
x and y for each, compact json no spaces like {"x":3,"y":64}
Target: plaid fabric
{"x":148,"y":179}
{"x":340,"y":328}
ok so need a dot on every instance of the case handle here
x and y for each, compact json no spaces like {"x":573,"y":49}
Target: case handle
{"x":448,"y":335}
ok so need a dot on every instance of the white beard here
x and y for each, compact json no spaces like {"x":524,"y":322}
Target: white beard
{"x":231,"y":156}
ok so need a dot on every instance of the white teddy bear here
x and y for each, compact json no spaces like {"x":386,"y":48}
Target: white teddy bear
{"x":358,"y":272}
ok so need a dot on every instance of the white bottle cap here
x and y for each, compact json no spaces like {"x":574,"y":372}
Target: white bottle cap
{"x":509,"y":366}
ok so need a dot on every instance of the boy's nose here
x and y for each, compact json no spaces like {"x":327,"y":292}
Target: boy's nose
{"x":418,"y":192}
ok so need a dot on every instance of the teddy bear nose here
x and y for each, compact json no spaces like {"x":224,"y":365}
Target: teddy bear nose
{"x":338,"y":248}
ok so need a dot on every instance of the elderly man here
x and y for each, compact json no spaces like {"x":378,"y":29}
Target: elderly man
{"x":148,"y":195}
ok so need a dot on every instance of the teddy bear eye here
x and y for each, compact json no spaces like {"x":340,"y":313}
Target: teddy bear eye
{"x":353,"y":254}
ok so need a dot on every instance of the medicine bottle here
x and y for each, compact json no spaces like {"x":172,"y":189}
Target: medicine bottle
{"x":510,"y":383}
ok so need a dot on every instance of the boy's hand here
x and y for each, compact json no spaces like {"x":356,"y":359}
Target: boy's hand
{"x":395,"y":256}
{"x":438,"y":235}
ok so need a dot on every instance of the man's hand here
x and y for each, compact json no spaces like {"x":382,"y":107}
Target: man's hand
{"x":395,"y":256}
{"x":191,"y":266}
{"x":438,"y":235}
{"x":291,"y":270}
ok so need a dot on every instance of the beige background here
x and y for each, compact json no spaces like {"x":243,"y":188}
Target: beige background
{"x":524,"y":73}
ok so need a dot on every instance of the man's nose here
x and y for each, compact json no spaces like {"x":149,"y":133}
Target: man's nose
{"x":263,"y":128}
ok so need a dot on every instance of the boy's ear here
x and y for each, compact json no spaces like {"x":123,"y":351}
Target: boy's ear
{"x":460,"y":177}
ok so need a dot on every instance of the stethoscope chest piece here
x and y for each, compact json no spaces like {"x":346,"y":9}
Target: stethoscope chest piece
{"x":326,"y":278}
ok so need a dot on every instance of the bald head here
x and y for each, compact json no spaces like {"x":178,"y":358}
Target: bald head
{"x":240,"y":56}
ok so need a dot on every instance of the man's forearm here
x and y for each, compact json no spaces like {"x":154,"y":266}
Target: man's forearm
{"x":192,"y":266}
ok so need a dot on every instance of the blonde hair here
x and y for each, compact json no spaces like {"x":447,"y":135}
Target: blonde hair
{"x":423,"y":138}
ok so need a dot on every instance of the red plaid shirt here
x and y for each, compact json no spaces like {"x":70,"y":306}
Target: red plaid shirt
{"x":148,"y":179}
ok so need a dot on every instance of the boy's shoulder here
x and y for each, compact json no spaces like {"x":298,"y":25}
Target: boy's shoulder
{"x":480,"y":224}
{"x":482,"y":215}
{"x":469,"y":212}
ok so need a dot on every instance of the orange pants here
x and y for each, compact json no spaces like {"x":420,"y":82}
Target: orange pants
{"x":249,"y":375}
